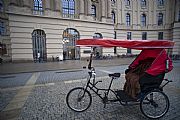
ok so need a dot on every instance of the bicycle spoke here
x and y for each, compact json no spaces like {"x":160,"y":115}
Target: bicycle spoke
{"x":155,"y":104}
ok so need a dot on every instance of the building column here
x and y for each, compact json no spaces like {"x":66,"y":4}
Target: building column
{"x":119,"y":13}
{"x":47,"y":5}
{"x":26,"y":3}
{"x":89,"y":8}
{"x":134,"y":13}
{"x":150,"y":13}
{"x":81,"y":7}
{"x":57,"y":5}
{"x":109,"y":9}
{"x":124,"y":15}
{"x":103,"y":8}
{"x":154,"y":14}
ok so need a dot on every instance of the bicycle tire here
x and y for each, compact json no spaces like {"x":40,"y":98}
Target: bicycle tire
{"x":154,"y":100}
{"x":76,"y":102}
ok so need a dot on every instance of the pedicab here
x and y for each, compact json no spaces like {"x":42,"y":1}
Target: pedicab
{"x":143,"y":78}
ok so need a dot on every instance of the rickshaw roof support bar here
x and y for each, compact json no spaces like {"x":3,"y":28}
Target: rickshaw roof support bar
{"x":133,"y":44}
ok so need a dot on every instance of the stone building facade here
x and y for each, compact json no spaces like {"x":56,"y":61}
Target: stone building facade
{"x":33,"y":29}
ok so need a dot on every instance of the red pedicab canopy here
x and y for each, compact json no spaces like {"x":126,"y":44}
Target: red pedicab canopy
{"x":133,"y":44}
{"x":150,"y":49}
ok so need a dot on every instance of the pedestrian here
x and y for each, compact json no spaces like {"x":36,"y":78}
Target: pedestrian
{"x":38,"y":55}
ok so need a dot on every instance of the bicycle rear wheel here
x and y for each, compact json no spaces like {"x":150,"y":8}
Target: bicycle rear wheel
{"x":79,"y":99}
{"x":154,"y":104}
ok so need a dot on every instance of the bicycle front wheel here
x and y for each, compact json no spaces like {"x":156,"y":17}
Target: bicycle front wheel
{"x":154,"y":104}
{"x":79,"y":99}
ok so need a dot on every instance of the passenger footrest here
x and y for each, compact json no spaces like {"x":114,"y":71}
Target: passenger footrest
{"x":124,"y":97}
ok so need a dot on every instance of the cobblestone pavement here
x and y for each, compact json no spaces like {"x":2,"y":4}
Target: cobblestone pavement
{"x":41,"y":95}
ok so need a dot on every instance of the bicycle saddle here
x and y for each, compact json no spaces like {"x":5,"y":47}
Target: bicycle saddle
{"x":115,"y":75}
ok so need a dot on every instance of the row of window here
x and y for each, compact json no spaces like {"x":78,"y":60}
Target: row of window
{"x":68,"y":6}
{"x":144,"y":35}
{"x":69,"y":9}
{"x":143,"y":19}
{"x":142,"y":2}
{"x":71,"y":3}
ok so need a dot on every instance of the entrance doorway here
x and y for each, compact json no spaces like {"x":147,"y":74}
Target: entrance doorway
{"x":70,"y":51}
{"x":39,"y":45}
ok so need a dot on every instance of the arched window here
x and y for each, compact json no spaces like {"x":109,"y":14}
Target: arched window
{"x":97,"y":35}
{"x":68,"y":7}
{"x":1,"y":6}
{"x":38,"y":7}
{"x":127,"y":2}
{"x":143,"y":3}
{"x":70,"y":51}
{"x":113,"y":17}
{"x":93,"y":10}
{"x":39,"y":45}
{"x":143,"y":20}
{"x":113,"y":1}
{"x":160,"y":2}
{"x":128,"y":19}
{"x":160,"y":19}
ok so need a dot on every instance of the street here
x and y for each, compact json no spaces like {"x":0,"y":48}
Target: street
{"x":41,"y":95}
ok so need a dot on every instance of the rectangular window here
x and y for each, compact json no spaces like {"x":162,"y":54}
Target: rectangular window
{"x":143,"y":3}
{"x":160,"y":2}
{"x":38,"y":7}
{"x":179,"y":16}
{"x":127,"y":2}
{"x":3,"y":49}
{"x":128,"y":19}
{"x":128,"y":35}
{"x":115,"y":35}
{"x":160,"y":36}
{"x":160,"y":19}
{"x":129,"y":38}
{"x":1,"y":6}
{"x":2,"y":28}
{"x":115,"y":50}
{"x":144,"y":35}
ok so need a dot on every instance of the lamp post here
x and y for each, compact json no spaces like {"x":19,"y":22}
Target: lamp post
{"x":65,"y":42}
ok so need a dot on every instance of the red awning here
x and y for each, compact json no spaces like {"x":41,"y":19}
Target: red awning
{"x":133,"y":44}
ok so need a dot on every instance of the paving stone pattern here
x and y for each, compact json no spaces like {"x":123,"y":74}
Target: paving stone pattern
{"x":47,"y":99}
{"x":47,"y":103}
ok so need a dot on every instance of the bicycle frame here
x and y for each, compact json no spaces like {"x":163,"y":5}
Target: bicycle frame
{"x":92,"y":86}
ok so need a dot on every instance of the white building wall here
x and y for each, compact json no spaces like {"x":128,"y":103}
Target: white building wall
{"x":22,"y":23}
{"x":176,"y":38}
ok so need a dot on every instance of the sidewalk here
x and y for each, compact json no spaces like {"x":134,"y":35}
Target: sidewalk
{"x":12,"y":68}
